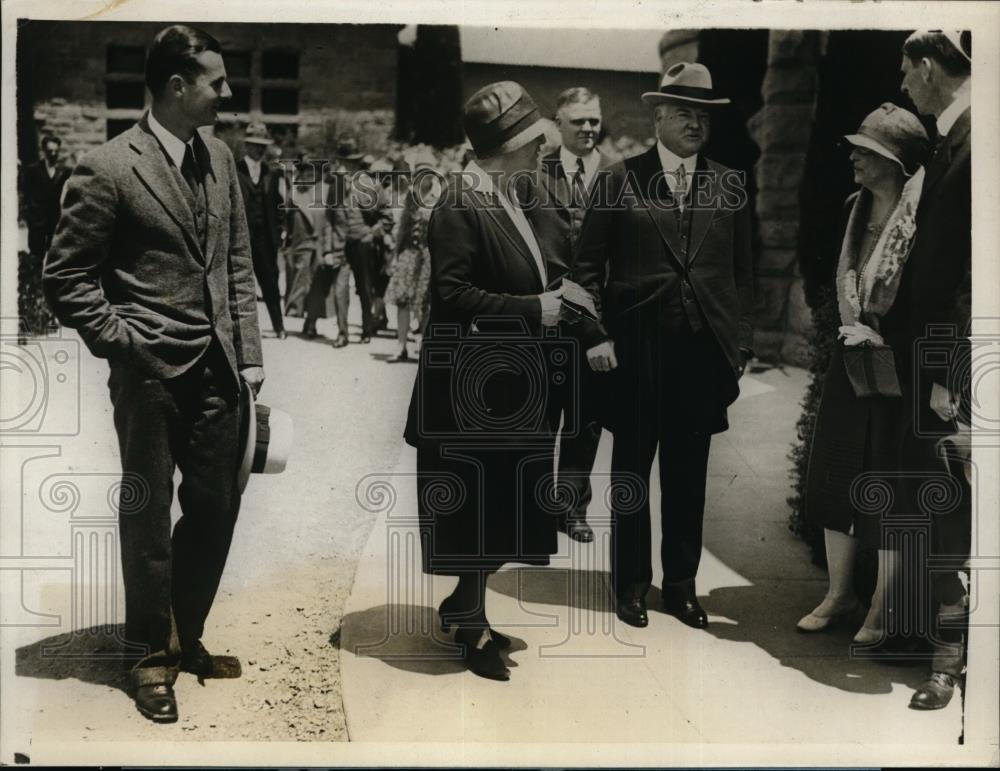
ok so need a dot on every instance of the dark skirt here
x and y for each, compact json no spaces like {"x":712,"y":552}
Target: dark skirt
{"x":854,"y":459}
{"x":481,"y":507}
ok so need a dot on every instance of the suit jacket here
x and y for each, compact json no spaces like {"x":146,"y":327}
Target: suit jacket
{"x":555,"y":215}
{"x":480,"y":267}
{"x":936,"y":287}
{"x":271,"y":232}
{"x":42,"y":204}
{"x":128,"y":270}
{"x":630,"y":254}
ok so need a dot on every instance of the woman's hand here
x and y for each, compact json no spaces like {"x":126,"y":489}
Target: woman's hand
{"x":856,"y":334}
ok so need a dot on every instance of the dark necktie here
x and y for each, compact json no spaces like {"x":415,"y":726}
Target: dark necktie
{"x":190,"y":171}
{"x":579,"y":186}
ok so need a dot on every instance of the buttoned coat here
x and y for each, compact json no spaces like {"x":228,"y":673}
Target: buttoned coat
{"x":636,"y":262}
{"x":128,"y":269}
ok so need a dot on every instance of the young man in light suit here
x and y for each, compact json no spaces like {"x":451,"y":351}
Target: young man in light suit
{"x":151,"y":264}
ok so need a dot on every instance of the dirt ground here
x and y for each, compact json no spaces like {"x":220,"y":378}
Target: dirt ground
{"x":289,"y":573}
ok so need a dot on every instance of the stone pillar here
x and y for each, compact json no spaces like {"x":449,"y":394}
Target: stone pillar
{"x":782,"y":129}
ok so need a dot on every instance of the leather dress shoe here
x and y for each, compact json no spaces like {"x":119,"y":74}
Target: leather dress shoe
{"x":196,"y":660}
{"x":578,"y":530}
{"x":340,"y":342}
{"x":366,"y":338}
{"x":633,"y":612}
{"x":935,"y":692}
{"x":281,"y":334}
{"x":683,"y":605}
{"x":157,"y":702}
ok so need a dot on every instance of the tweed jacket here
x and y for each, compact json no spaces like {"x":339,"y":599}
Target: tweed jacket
{"x":129,"y":271}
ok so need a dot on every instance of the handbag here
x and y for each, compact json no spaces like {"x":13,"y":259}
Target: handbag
{"x":872,"y":371}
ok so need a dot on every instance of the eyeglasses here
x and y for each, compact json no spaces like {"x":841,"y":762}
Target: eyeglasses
{"x":581,"y":122}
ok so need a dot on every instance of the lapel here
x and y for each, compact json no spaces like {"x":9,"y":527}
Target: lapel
{"x":703,"y":188}
{"x":495,"y":211}
{"x":942,"y":158}
{"x":154,"y":170}
{"x":213,"y":191}
{"x":648,"y":167}
{"x":554,"y":178}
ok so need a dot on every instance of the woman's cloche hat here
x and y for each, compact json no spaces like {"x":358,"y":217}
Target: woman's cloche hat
{"x":893,"y":133}
{"x":686,"y":82}
{"x":501,"y":118}
{"x":265,"y":438}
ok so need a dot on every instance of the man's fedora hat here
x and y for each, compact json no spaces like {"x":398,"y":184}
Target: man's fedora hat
{"x":256,"y":133}
{"x":685,"y":82}
{"x":501,"y":118}
{"x":265,"y":438}
{"x":347,"y":150}
{"x":893,"y":133}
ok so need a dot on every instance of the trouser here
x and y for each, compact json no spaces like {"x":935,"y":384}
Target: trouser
{"x":191,"y":422}
{"x":683,"y":467}
{"x":326,"y":278}
{"x":359,"y":258}
{"x":577,"y":451}
{"x":265,"y":268}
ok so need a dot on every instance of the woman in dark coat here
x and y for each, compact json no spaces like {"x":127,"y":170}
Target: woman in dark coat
{"x":855,"y":438}
{"x":478,"y":413}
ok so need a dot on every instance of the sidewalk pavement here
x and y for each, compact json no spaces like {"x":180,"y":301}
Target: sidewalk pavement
{"x":580,"y":675}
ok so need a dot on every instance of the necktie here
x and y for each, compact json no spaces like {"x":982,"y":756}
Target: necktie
{"x":189,"y":170}
{"x":681,"y":187}
{"x":579,"y":186}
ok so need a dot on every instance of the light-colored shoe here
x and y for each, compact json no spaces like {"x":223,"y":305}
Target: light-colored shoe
{"x":814,"y":622}
{"x":867,"y":636}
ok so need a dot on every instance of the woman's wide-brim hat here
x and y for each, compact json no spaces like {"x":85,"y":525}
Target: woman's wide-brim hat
{"x":257,"y":134}
{"x":687,"y":82}
{"x":501,"y":118}
{"x":265,"y":438}
{"x":893,"y":133}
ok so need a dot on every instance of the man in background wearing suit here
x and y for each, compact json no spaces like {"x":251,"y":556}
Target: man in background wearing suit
{"x":936,"y":290}
{"x":666,"y":246}
{"x":43,"y":188}
{"x":262,"y":201}
{"x":566,"y":176}
{"x":151,"y":264}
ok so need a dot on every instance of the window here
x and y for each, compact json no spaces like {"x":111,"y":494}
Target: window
{"x":129,"y":60}
{"x":281,"y":101}
{"x":237,"y":63}
{"x":279,"y":65}
{"x":125,"y":95}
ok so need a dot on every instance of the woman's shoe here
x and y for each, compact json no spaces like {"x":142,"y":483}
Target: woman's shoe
{"x":814,"y":622}
{"x":399,"y":357}
{"x":340,"y":342}
{"x":485,"y":661}
{"x":868,"y":636}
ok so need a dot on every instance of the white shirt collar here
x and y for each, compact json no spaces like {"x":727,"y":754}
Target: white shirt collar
{"x":591,"y":162}
{"x":483,"y":183}
{"x":254,"y":167}
{"x":962,"y":100}
{"x":670,"y":162}
{"x":171,"y":143}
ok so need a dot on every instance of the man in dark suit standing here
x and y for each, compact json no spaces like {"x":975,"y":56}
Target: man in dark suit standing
{"x":262,"y":201}
{"x":567,"y":175}
{"x":936,"y":291}
{"x":43,"y":187}
{"x":151,"y":264}
{"x":665,"y":249}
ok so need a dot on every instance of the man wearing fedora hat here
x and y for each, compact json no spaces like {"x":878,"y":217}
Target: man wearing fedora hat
{"x":936,"y":291}
{"x":151,"y":264}
{"x":262,"y":200}
{"x":666,"y":246}
{"x":482,"y":431}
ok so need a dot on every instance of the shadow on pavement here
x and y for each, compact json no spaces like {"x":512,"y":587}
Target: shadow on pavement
{"x":407,"y":637}
{"x":91,"y":655}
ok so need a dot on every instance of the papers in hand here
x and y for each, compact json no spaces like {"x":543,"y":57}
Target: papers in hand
{"x":577,"y":302}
